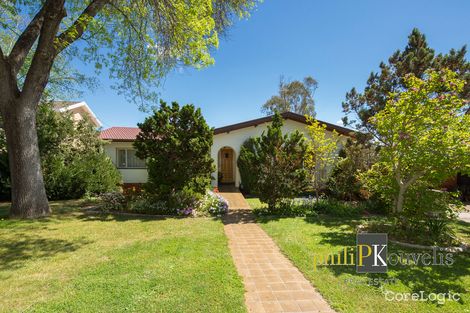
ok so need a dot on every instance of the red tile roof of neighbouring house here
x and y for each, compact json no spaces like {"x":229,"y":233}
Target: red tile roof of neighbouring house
{"x":120,"y":133}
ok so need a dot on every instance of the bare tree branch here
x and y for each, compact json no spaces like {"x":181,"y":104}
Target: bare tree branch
{"x":77,"y":29}
{"x":25,"y":42}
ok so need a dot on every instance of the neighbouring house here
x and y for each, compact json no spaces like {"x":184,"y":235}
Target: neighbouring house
{"x":78,"y":111}
{"x":225,"y":149}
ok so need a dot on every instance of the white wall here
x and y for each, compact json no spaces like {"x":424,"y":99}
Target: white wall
{"x":129,"y":175}
{"x":236,"y":138}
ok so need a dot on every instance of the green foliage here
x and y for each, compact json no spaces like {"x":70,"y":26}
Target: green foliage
{"x":294,"y":96}
{"x":289,"y":207}
{"x":311,"y":207}
{"x":354,"y":158}
{"x":417,"y":58}
{"x":139,"y":41}
{"x":185,"y":202}
{"x":424,"y":134}
{"x":247,"y":165}
{"x":277,"y":161}
{"x":176,"y":142}
{"x":338,"y":208}
{"x":113,"y":201}
{"x":72,"y":157}
{"x":321,"y":152}
{"x":427,"y":219}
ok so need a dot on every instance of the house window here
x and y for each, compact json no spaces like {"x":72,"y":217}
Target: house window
{"x":126,"y":158}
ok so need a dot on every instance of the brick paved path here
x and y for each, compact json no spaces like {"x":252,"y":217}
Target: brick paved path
{"x":272,"y":282}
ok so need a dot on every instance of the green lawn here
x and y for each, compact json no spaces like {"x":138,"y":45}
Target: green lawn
{"x":76,"y":262}
{"x":301,"y":238}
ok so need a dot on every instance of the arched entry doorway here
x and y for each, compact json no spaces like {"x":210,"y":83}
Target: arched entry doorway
{"x":226,"y":166}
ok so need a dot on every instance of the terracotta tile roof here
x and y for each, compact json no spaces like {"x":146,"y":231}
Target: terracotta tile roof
{"x":120,"y":133}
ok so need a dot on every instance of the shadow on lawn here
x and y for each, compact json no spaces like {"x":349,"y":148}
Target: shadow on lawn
{"x":123,"y":217}
{"x":14,"y":253}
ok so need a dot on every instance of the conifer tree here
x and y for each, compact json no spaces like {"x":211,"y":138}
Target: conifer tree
{"x":416,"y":59}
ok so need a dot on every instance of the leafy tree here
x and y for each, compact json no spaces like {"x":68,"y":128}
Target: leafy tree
{"x":424,"y":136}
{"x":295,"y":96}
{"x":279,"y":161}
{"x":72,"y":157}
{"x":416,"y":59}
{"x":176,"y":142}
{"x":139,"y":41}
{"x":321,"y":152}
{"x":354,"y":158}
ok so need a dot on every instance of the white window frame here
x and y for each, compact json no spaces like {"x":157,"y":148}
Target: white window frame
{"x":119,"y":163}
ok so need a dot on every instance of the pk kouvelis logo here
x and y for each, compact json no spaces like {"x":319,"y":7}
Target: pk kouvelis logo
{"x":371,"y":255}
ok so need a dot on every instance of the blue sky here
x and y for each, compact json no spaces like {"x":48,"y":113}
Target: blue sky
{"x":337,"y":42}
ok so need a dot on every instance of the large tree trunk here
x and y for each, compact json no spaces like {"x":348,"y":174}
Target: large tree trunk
{"x":28,"y":193}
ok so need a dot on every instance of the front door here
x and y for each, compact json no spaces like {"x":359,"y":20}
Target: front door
{"x":226,"y":165}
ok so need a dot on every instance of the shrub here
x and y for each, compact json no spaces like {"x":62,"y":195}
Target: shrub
{"x":312,"y":207}
{"x":184,"y":201}
{"x":344,"y":183}
{"x":338,"y":208}
{"x":113,"y":201}
{"x":321,"y":153}
{"x":72,"y":157}
{"x":212,"y":204}
{"x":426,"y":220}
{"x":247,"y":165}
{"x":277,"y":161}
{"x":290,"y":207}
{"x":375,"y":205}
{"x":176,"y":142}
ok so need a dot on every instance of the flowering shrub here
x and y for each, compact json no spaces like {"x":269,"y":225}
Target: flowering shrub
{"x":185,"y":212}
{"x":113,"y":201}
{"x":183,"y":203}
{"x":212,"y":204}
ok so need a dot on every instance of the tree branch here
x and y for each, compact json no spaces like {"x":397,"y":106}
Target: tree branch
{"x":25,"y":42}
{"x":39,"y":71}
{"x":77,"y":29}
{"x":8,"y":86}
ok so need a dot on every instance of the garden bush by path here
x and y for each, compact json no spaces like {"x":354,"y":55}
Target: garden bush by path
{"x":301,"y":238}
{"x":102,"y":263}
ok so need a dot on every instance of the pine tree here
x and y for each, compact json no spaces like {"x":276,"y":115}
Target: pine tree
{"x":416,"y":59}
{"x":176,"y":143}
{"x":280,"y":160}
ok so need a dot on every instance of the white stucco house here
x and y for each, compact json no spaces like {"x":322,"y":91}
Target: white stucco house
{"x":225,"y":149}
